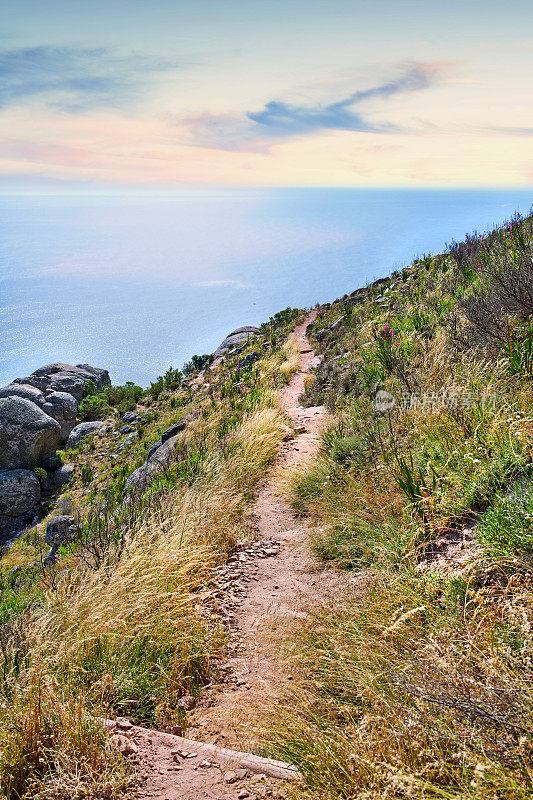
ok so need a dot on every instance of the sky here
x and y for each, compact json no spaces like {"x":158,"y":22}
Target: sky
{"x":130,"y":94}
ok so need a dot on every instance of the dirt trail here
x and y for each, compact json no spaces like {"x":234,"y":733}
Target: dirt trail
{"x":266,"y":586}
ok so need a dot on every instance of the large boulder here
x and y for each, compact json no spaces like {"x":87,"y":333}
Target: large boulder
{"x":66,"y":378}
{"x":235,"y":338}
{"x":82,"y":431}
{"x":173,"y":430}
{"x":27,"y":434}
{"x":20,"y":491}
{"x":60,"y":530}
{"x":63,"y":408}
{"x":159,"y":460}
{"x":63,"y":474}
{"x":10,"y":526}
{"x":23,"y":390}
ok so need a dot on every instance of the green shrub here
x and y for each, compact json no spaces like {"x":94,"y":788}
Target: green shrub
{"x":40,"y":474}
{"x":93,"y":407}
{"x":520,"y":355}
{"x":98,"y":405}
{"x":196,"y":364}
{"x":123,"y":398}
{"x":87,"y":474}
{"x":170,"y":380}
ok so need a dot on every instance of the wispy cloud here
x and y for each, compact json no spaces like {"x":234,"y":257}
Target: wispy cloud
{"x":256,"y":130}
{"x":512,"y":131}
{"x":223,"y":283}
{"x":74,"y":79}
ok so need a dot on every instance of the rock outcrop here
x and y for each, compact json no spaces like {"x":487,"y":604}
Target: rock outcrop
{"x":159,"y":457}
{"x":20,"y":492}
{"x":159,"y":460}
{"x":37,"y":416}
{"x":66,"y":378}
{"x":63,"y":408}
{"x":235,"y":338}
{"x":27,"y":434}
{"x":82,"y":431}
{"x":25,"y":391}
{"x":60,"y":530}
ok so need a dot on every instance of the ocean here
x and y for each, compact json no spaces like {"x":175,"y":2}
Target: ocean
{"x":136,"y":283}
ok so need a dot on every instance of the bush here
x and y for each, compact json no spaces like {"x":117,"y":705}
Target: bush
{"x":98,"y":405}
{"x":93,"y":407}
{"x":170,"y":380}
{"x":500,"y":297}
{"x":196,"y":364}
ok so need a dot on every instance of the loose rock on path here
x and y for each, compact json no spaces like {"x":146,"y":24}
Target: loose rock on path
{"x":264,"y":588}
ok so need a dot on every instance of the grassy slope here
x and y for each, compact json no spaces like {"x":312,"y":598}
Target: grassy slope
{"x":417,"y":682}
{"x":118,"y":625}
{"x":411,"y":682}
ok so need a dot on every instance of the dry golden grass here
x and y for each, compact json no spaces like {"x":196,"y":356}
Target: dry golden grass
{"x":292,"y":357}
{"x":130,"y":632}
{"x":394,"y":699}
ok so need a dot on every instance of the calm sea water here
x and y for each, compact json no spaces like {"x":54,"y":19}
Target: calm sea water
{"x":139,"y":283}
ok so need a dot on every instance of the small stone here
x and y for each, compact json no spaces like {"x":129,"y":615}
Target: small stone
{"x":187,"y":702}
{"x":123,"y":723}
{"x":122,"y":743}
{"x":243,"y":793}
{"x":230,"y":776}
{"x":241,"y":774}
{"x":206,"y":764}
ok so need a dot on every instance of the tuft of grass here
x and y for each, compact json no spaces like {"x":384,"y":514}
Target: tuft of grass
{"x":404,"y":692}
{"x":506,"y":528}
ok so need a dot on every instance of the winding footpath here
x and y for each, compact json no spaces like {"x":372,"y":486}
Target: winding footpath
{"x":269,"y":583}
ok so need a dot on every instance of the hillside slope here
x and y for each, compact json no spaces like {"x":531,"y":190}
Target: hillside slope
{"x":409,"y":673}
{"x":415,"y":680}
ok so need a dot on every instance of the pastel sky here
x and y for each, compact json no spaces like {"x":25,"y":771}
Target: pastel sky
{"x":172,"y":93}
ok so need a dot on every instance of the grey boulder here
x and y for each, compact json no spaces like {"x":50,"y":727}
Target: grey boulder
{"x":160,"y":460}
{"x":27,"y":434}
{"x":10,"y":526}
{"x":173,"y":430}
{"x":63,"y":475}
{"x":66,"y":378}
{"x":235,"y":338}
{"x":20,"y":492}
{"x":82,"y":431}
{"x":25,"y":391}
{"x":62,"y":407}
{"x":60,"y":530}
{"x":153,"y":448}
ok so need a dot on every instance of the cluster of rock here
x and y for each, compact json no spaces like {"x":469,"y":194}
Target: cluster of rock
{"x":37,"y":417}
